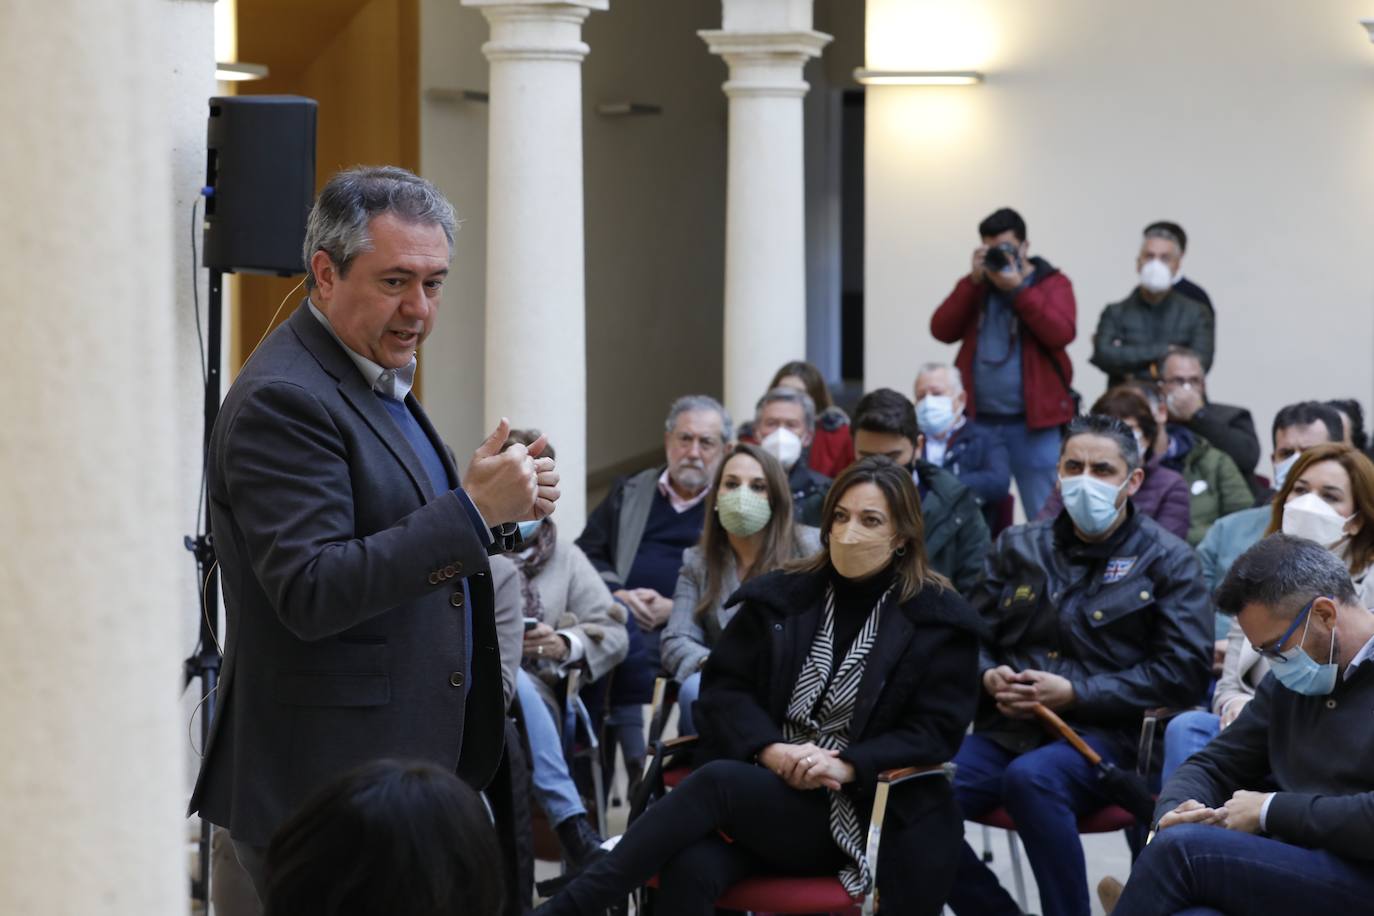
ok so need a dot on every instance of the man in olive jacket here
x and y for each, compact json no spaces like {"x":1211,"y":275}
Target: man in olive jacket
{"x":1135,"y":334}
{"x":1099,"y":614}
{"x":1276,"y":814}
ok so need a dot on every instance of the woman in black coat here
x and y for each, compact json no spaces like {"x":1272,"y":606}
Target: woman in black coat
{"x":854,"y":661}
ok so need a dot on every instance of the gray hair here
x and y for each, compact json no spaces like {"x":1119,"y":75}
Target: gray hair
{"x":690,"y":402}
{"x":789,"y":396}
{"x":1283,"y":573}
{"x":956,"y":377}
{"x":1097,"y":424}
{"x":338,"y":223}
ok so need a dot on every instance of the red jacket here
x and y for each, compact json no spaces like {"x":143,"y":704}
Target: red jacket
{"x":1047,"y":314}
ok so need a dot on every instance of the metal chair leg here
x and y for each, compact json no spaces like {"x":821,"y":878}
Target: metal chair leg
{"x":987,"y":845}
{"x":1016,"y":874}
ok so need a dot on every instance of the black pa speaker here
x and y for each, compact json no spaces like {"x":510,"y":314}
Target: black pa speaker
{"x":260,"y":179}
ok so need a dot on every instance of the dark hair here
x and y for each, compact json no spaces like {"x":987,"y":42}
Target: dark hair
{"x":904,"y":504}
{"x":810,"y":377}
{"x":1003,"y":220}
{"x":1173,"y":229}
{"x":1096,"y":424}
{"x":527,"y":437}
{"x":1352,"y":409}
{"x":388,"y":837}
{"x":1283,"y":573}
{"x":1361,"y":472}
{"x":886,"y":411}
{"x":779,"y":535}
{"x":1305,"y":413}
{"x":1125,"y":402}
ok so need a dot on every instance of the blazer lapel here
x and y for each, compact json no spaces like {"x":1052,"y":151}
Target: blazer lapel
{"x":894,"y":632}
{"x":331,"y":356}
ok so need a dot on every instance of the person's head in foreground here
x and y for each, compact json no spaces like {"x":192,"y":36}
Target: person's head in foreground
{"x":388,"y":838}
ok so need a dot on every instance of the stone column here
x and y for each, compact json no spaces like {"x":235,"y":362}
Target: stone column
{"x":536,"y":358}
{"x":766,"y":43}
{"x":93,"y":783}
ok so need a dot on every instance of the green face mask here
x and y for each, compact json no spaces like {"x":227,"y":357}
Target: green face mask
{"x":742,"y":511}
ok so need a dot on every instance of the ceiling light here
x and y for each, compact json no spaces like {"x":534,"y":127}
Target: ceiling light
{"x":238,"y":72}
{"x":918,"y":77}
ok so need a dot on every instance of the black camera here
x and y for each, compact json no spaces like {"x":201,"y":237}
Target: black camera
{"x":1000,"y":257}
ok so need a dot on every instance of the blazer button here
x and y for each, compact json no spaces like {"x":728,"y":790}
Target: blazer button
{"x":456,"y":599}
{"x":1330,"y":704}
{"x":456,"y":679}
{"x":457,"y":569}
{"x":1097,"y":615}
{"x":450,"y":571}
{"x":1144,"y":596}
{"x":433,"y":578}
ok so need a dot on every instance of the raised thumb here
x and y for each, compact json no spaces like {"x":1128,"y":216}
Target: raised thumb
{"x":492,"y":444}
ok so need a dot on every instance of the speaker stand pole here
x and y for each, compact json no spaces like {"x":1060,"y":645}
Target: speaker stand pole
{"x":204,"y":665}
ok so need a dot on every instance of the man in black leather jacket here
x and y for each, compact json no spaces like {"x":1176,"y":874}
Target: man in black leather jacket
{"x":1099,"y":614}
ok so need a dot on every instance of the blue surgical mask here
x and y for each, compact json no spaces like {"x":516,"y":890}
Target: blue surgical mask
{"x":1090,"y":502}
{"x":1300,"y":673}
{"x":935,"y":413}
{"x":1282,"y":468}
{"x":529,"y":529}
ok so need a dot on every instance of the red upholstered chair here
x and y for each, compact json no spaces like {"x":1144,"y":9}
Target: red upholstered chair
{"x":783,"y":894}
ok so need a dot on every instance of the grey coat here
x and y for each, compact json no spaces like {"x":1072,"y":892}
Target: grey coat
{"x":687,"y":639}
{"x":343,"y":575}
{"x":575,"y":601}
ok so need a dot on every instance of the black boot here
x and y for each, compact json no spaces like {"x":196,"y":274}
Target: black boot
{"x":579,"y":840}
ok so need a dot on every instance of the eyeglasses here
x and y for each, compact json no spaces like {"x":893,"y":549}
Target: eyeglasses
{"x":1274,"y":652}
{"x":707,"y":443}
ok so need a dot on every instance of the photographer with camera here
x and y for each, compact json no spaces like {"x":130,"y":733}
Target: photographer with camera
{"x":1013,"y":316}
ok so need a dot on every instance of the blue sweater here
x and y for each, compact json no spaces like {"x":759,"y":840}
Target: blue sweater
{"x":667,"y":534}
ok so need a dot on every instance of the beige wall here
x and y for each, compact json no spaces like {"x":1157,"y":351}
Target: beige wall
{"x":654,"y":201}
{"x":1251,"y":123}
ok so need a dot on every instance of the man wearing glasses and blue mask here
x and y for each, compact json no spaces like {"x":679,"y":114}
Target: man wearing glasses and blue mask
{"x":1099,"y":614}
{"x":1276,"y":814}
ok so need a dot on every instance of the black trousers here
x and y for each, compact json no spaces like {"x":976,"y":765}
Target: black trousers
{"x":772,"y":827}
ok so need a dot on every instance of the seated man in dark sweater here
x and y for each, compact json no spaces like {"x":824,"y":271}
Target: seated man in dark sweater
{"x":1183,"y":381}
{"x":1276,"y":814}
{"x":635,"y":539}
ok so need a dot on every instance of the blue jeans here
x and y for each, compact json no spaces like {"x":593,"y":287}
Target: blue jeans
{"x":1044,"y":791}
{"x":687,"y":693}
{"x":553,"y":784}
{"x":1034,"y":455}
{"x":1187,"y":734}
{"x":1197,"y":868}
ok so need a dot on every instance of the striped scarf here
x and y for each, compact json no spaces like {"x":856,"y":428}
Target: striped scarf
{"x":820,"y":710}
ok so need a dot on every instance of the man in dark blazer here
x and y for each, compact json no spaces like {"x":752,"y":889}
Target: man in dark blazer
{"x":356,"y":585}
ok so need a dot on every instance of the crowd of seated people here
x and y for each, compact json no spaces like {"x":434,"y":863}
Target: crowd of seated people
{"x":826,"y":594}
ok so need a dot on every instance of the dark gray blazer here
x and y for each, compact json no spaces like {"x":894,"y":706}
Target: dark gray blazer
{"x":342,"y":575}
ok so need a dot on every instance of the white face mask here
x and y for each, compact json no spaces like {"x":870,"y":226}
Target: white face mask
{"x":784,"y":445}
{"x":1309,"y":516}
{"x":1155,"y":276}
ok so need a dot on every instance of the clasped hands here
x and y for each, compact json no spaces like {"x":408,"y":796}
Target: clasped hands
{"x":517,"y":484}
{"x":807,"y":766}
{"x":1241,"y":813}
{"x":651,"y":609}
{"x":1017,"y":692}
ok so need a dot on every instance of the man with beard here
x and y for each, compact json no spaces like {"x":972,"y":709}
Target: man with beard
{"x":635,"y":539}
